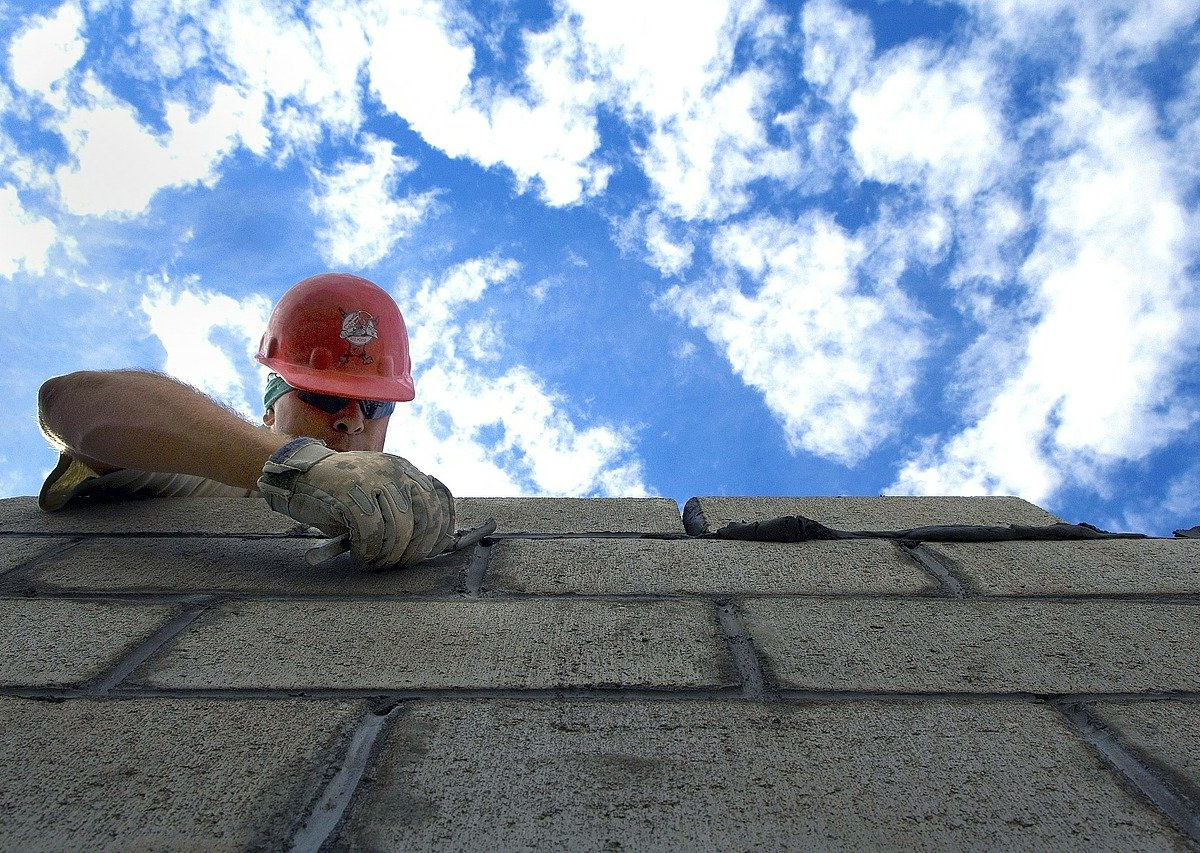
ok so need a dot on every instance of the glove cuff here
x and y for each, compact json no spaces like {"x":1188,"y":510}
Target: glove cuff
{"x":290,"y":455}
{"x":287,"y":463}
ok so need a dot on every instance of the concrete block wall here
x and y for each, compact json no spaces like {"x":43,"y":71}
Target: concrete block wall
{"x":173,"y":675}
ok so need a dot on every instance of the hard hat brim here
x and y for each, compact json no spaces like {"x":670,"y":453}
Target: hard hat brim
{"x":397,"y":389}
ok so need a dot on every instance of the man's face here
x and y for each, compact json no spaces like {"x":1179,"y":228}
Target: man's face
{"x":345,"y":429}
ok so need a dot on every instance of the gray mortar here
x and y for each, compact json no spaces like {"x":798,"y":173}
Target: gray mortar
{"x":706,"y":514}
{"x":1150,"y":777}
{"x":1166,"y":732}
{"x":742,"y":776}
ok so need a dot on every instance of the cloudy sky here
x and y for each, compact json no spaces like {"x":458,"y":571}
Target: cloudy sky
{"x":674,"y":248}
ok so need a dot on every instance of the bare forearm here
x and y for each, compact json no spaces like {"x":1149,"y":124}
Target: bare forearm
{"x":135,"y":419}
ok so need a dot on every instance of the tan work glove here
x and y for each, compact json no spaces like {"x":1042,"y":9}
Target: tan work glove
{"x":395,"y":515}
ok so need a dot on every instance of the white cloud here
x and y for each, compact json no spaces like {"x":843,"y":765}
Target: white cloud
{"x":924,"y":118}
{"x":421,"y":67}
{"x":1107,"y":30}
{"x":210,"y":339}
{"x":1117,"y":313}
{"x":824,"y":334}
{"x":670,"y":67}
{"x":664,"y":243}
{"x":483,"y":340}
{"x":497,"y":432}
{"x":117,"y":164}
{"x":307,"y":64}
{"x":12,"y":480}
{"x":25,"y":239}
{"x":671,"y":256}
{"x":1183,"y":495}
{"x":363,"y":217}
{"x":49,"y":47}
{"x":684,"y":350}
{"x":838,"y":45}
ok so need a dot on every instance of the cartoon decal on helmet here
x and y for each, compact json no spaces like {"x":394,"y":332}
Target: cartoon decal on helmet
{"x":358,"y":330}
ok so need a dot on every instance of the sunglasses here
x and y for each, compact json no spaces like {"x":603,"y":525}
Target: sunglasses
{"x":371,"y":409}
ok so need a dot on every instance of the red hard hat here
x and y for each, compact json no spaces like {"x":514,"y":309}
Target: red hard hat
{"x":339,"y":334}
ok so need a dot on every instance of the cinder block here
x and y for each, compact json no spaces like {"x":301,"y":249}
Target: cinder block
{"x":17,"y":550}
{"x":496,"y":775}
{"x":435,"y":644}
{"x":61,"y":643}
{"x":159,"y":515}
{"x":251,"y":515}
{"x":1166,"y":731}
{"x":705,"y":567}
{"x":162,"y":774}
{"x":266,"y":565}
{"x":894,"y":512}
{"x":977,"y":645}
{"x":573,"y":515}
{"x":1108,"y":566}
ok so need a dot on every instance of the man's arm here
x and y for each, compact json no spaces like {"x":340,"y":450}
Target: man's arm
{"x":136,"y":419}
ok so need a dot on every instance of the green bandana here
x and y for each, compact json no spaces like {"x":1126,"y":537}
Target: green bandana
{"x":276,"y":388}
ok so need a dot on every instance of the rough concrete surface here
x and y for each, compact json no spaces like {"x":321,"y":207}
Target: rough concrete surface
{"x":1112,"y":566}
{"x":572,"y":515}
{"x":979,"y":645}
{"x":162,"y":774}
{"x":437,"y":644}
{"x":267,"y":565}
{"x":589,"y":692}
{"x":57,"y":643}
{"x":502,"y":775}
{"x":161,"y":515}
{"x":706,"y":514}
{"x":657,"y":567}
{"x":1165,"y":731}
{"x":17,"y":550}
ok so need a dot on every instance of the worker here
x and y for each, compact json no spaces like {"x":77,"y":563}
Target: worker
{"x":337,"y":347}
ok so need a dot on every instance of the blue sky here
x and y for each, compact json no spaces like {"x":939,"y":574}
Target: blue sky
{"x":671,"y":248}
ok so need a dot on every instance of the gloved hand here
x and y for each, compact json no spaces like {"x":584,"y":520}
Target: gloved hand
{"x":395,"y":515}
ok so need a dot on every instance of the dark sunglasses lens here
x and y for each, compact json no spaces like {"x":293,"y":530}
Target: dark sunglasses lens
{"x":371,"y":409}
{"x":375,"y":409}
{"x":324,"y":402}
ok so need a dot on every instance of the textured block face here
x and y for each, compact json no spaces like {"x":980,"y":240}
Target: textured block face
{"x":1058,"y":568}
{"x":572,"y":515}
{"x":1166,"y":731}
{"x":599,"y":566}
{"x":887,"y":513}
{"x":266,"y":565}
{"x":440,"y":644}
{"x":161,"y":515}
{"x":977,"y":645}
{"x":570,"y":689}
{"x":742,"y":776}
{"x":159,"y":774}
{"x":59,"y":643}
{"x":18,"y":550}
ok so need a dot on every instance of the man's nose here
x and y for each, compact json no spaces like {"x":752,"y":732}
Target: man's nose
{"x":350,"y":418}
